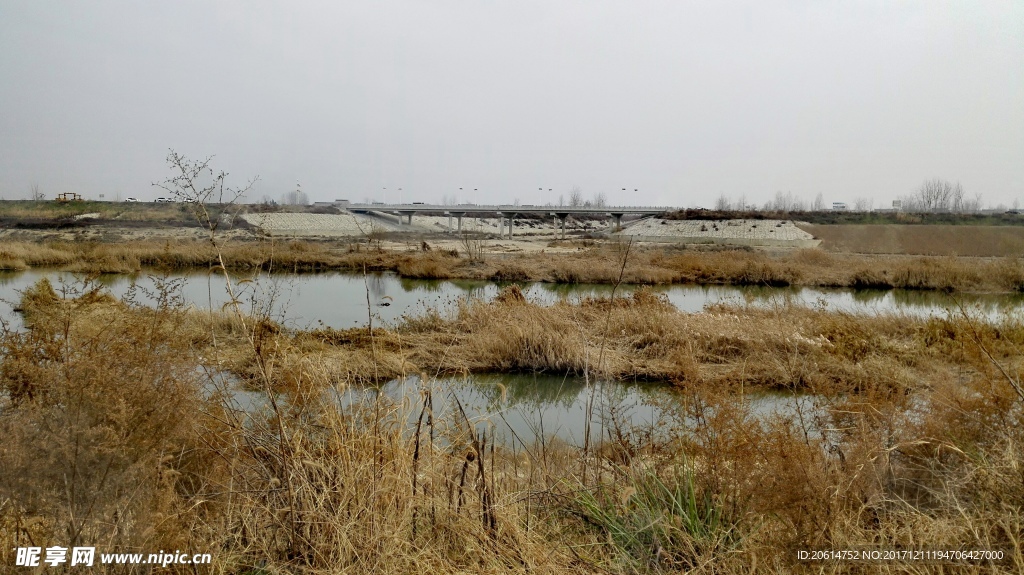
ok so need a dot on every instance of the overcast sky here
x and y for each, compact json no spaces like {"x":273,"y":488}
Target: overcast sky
{"x":682,"y":101}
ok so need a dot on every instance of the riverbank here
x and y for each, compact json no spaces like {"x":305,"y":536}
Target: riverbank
{"x":576,"y":261}
{"x":909,"y":438}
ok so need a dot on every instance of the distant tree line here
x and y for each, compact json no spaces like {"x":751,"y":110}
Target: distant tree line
{"x":933,"y":196}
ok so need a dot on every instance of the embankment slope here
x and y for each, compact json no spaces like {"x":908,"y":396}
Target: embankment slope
{"x":937,"y":240}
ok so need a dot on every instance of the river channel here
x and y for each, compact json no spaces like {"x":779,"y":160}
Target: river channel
{"x":513,"y":408}
{"x":343,"y":300}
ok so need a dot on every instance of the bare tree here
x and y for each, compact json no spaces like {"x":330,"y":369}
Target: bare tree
{"x":600,"y":200}
{"x":863,"y":204}
{"x":786,"y":202}
{"x":819,"y":203}
{"x":295,"y":198}
{"x":576,"y":197}
{"x":936,"y":195}
{"x":722,"y":204}
{"x":973,"y":205}
{"x":37,"y":194}
{"x":195,"y":183}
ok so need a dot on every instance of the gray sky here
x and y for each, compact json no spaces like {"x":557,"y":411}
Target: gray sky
{"x":681,"y":100}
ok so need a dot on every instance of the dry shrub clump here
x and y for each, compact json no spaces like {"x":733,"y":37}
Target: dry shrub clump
{"x":431,"y":265}
{"x":97,"y":405}
{"x":733,"y":267}
{"x":9,"y":261}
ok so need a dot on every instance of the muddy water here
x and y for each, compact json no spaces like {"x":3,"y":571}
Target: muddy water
{"x":347,"y":300}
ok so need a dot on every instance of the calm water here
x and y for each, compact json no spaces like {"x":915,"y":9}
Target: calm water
{"x":522,"y":409}
{"x":340,"y":300}
{"x":516,"y":408}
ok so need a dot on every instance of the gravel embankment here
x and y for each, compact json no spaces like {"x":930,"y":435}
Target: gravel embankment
{"x":319,"y":224}
{"x":348,"y":224}
{"x":743,"y":232}
{"x":750,"y":232}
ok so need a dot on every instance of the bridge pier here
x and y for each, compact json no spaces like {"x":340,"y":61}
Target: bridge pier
{"x":562,"y":216}
{"x":458,"y":216}
{"x":501,"y":224}
{"x":403,"y":214}
{"x":618,"y":221}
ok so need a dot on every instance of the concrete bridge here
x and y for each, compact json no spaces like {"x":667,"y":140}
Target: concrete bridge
{"x":502,"y":212}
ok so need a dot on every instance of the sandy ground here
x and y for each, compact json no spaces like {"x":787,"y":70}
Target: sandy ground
{"x":331,"y":225}
{"x":118,"y":234}
{"x":521,"y":227}
{"x":517,"y":245}
{"x":278,"y":224}
{"x":342,"y":228}
{"x":348,"y":224}
{"x":977,"y":241}
{"x":779,"y":230}
{"x":529,"y":235}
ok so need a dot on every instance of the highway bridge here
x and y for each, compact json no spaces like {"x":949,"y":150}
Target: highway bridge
{"x":502,"y":211}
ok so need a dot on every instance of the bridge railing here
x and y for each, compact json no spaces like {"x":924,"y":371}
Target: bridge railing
{"x":508,"y":208}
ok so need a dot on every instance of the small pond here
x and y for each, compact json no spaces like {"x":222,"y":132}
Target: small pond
{"x":519,"y":409}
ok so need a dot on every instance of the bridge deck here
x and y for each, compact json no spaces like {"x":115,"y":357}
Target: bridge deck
{"x":505,"y":209}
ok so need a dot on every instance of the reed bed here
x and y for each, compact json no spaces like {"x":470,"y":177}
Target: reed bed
{"x":121,"y":431}
{"x":595,"y":264}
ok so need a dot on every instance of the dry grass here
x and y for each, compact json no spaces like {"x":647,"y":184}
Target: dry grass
{"x":788,"y":347}
{"x":25,"y":211}
{"x":930,"y":240}
{"x":600,"y":264}
{"x":911,"y":437}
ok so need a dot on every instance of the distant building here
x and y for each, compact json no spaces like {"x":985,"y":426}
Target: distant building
{"x":839,"y":206}
{"x":897,"y":205}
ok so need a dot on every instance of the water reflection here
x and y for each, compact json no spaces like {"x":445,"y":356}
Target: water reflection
{"x":345,"y":300}
{"x":533,"y":407}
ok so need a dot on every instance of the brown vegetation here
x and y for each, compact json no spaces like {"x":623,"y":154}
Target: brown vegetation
{"x":928,"y":240}
{"x":594,"y":264}
{"x":912,"y":439}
